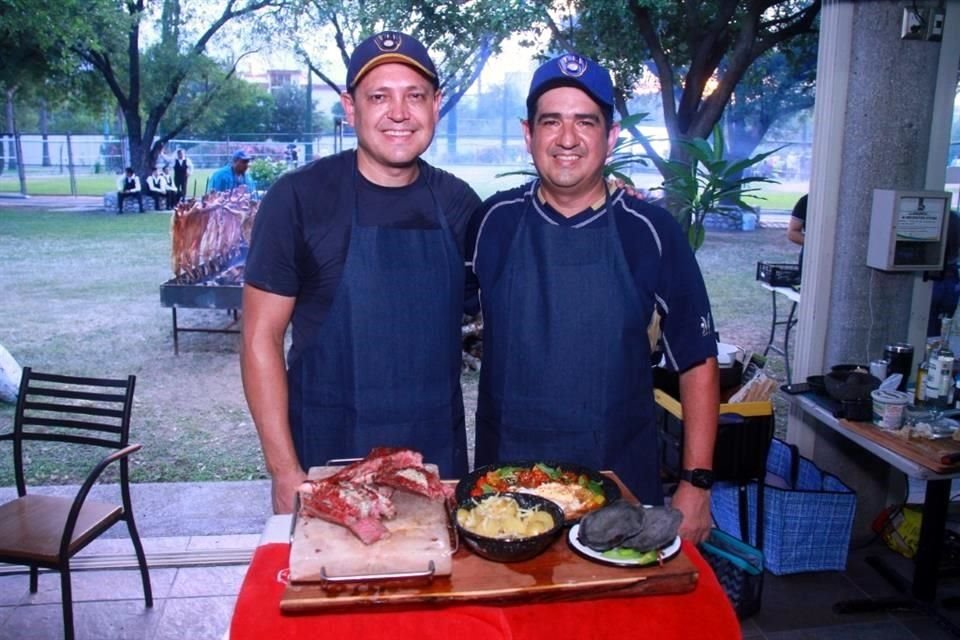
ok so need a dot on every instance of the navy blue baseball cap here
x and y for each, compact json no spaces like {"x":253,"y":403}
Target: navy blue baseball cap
{"x":390,"y":46}
{"x":241,"y":155}
{"x":572,"y":70}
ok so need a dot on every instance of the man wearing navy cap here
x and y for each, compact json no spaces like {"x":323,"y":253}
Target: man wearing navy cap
{"x":233,"y":175}
{"x":570,"y":272}
{"x":362,"y":254}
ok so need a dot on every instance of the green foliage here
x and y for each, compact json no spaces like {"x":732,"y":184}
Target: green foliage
{"x":623,"y":157}
{"x":698,"y":52}
{"x":461,"y":34}
{"x":265,"y":172}
{"x":708,"y":183}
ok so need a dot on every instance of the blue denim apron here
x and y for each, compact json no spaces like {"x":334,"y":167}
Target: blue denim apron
{"x":566,"y":364}
{"x":384,"y":369}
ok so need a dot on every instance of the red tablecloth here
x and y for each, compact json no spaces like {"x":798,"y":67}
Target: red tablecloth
{"x":705,"y":612}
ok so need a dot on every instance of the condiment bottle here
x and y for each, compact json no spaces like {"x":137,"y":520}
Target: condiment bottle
{"x":939,"y":381}
{"x":920,"y":391}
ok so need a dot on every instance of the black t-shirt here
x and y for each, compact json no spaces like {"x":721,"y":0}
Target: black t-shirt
{"x":300,"y":237}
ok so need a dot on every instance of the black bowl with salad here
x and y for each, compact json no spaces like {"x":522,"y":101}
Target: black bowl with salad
{"x":578,"y":490}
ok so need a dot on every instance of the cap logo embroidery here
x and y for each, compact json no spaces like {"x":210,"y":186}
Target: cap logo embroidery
{"x":388,"y":41}
{"x":573,"y":65}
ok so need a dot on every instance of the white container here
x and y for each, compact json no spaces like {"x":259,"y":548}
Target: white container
{"x":889,"y":408}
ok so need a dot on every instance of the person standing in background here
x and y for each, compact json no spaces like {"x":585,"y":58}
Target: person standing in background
{"x":182,"y":168}
{"x":797,"y":228}
{"x":233,"y":175}
{"x":946,"y":282}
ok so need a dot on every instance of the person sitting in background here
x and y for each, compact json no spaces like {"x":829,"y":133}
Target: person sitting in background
{"x":233,"y":175}
{"x":946,"y":283}
{"x":173,"y":195}
{"x":156,"y":188}
{"x":128,"y":186}
{"x":797,"y":228}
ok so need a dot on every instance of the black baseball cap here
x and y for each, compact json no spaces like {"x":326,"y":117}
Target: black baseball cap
{"x":572,"y":70}
{"x":390,"y":46}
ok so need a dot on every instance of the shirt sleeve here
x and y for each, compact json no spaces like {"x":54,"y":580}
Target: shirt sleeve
{"x":689,"y":336}
{"x":274,"y":244}
{"x":472,"y":293}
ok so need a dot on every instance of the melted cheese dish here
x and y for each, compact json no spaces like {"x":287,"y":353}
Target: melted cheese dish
{"x":572,"y":498}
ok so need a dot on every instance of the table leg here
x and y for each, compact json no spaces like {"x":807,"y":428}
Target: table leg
{"x":923,"y":589}
{"x":176,"y":345}
{"x":936,"y":501}
{"x":791,"y":320}
{"x":773,"y":324}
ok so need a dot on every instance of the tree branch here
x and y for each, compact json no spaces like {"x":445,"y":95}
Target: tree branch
{"x":641,"y":17}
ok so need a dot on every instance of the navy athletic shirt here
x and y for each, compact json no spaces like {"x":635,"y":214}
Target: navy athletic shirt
{"x":654,"y":246}
{"x":302,"y":230}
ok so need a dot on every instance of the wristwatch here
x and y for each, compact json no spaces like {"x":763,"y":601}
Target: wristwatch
{"x":700,"y":478}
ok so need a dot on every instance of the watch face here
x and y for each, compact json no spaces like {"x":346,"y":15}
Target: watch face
{"x":702,"y":478}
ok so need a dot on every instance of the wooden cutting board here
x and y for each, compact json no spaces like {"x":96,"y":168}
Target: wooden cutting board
{"x":557,"y":574}
{"x":419,"y":536}
{"x":932,"y":454}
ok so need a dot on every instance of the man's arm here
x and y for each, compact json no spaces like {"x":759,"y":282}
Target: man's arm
{"x":700,"y":402}
{"x":795,"y":230}
{"x":265,"y":319}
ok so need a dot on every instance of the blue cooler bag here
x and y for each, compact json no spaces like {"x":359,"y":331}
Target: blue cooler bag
{"x":807,"y":514}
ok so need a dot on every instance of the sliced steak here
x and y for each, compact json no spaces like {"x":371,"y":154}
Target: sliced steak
{"x":355,"y":506}
{"x":414,"y":479}
{"x":364,"y":470}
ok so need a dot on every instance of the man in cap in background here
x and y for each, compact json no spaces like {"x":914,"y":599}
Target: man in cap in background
{"x":571,"y":272}
{"x":362,"y":253}
{"x":233,"y":175}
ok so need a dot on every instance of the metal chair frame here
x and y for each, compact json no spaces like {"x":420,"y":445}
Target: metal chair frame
{"x":77,"y":410}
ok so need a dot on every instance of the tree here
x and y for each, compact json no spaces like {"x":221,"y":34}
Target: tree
{"x":776,"y":87}
{"x":461,"y":34}
{"x":699,"y":51}
{"x":146,"y":81}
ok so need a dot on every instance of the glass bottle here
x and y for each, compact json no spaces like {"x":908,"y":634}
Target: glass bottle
{"x":939,"y":379}
{"x":920,"y":390}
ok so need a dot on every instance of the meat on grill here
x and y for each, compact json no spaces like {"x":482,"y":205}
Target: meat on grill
{"x":210,"y":228}
{"x":357,"y":496}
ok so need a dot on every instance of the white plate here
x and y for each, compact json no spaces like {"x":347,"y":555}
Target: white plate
{"x":666,"y":553}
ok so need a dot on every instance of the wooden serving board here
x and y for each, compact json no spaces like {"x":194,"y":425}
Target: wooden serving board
{"x":557,"y":574}
{"x":929,"y":453}
{"x":419,"y":537}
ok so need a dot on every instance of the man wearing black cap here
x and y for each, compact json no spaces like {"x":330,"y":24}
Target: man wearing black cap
{"x":571,"y":272}
{"x":233,"y":175}
{"x":362,"y":253}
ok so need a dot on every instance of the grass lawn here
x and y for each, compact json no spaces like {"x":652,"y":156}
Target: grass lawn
{"x":82,"y":294}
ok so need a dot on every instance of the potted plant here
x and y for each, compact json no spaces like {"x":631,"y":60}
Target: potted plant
{"x":708,"y":183}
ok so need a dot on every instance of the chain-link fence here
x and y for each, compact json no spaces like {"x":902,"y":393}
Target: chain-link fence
{"x":74,"y":164}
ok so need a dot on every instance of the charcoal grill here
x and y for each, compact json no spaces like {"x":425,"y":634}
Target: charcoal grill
{"x":217,"y":284}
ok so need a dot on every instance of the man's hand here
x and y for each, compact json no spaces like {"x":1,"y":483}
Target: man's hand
{"x":694,"y":503}
{"x":283,"y":489}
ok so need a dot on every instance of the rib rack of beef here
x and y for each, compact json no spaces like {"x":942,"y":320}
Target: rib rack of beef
{"x":358,"y":496}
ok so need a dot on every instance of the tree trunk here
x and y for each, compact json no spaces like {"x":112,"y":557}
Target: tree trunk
{"x":452,"y":132}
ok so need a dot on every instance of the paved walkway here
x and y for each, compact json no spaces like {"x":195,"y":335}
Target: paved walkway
{"x":198,"y":538}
